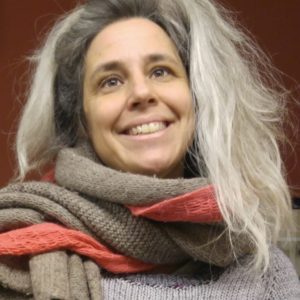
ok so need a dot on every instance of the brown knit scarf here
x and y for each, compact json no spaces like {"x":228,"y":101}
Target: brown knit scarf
{"x":90,"y":197}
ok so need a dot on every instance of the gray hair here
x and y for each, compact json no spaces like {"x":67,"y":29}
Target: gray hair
{"x":239,"y":106}
{"x":72,"y":46}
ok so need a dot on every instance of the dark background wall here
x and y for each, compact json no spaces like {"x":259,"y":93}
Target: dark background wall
{"x":274,"y":24}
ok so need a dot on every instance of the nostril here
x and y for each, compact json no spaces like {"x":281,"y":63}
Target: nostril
{"x":151,"y":100}
{"x":135,"y":104}
{"x":142,"y":102}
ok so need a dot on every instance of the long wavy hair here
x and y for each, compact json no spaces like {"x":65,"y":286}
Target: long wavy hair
{"x":238,"y":101}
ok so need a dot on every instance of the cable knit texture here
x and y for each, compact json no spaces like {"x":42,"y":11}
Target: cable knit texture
{"x":137,"y":219}
{"x":46,"y":237}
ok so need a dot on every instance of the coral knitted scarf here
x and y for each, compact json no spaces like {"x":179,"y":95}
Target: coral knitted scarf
{"x":122,"y":222}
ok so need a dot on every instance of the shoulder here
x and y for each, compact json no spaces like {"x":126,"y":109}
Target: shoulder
{"x":281,"y":280}
{"x":236,"y":283}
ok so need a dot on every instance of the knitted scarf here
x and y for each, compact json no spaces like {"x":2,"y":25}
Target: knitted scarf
{"x":104,"y":218}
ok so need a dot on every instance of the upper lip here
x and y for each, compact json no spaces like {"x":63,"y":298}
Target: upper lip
{"x":141,"y":121}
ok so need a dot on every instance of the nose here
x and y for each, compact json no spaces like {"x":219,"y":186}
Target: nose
{"x":141,"y":93}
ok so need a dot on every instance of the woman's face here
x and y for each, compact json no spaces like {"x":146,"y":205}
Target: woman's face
{"x":137,"y":100}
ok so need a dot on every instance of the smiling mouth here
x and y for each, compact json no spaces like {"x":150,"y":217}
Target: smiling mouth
{"x":147,"y":128}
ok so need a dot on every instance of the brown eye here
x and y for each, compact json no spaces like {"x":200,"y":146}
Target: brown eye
{"x":160,"y":72}
{"x":110,"y":82}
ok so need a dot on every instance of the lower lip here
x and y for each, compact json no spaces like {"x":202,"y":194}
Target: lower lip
{"x":148,"y":136}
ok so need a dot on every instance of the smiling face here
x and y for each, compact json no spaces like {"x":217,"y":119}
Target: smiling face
{"x":137,"y":101}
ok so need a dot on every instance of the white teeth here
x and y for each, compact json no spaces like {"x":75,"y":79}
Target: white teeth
{"x":147,"y":128}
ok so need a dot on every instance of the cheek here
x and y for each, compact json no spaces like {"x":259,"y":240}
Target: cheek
{"x":182,"y":103}
{"x":187,"y":111}
{"x":100,"y":115}
{"x":188,"y":105}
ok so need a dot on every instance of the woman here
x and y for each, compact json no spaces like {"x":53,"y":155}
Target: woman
{"x":167,"y":179}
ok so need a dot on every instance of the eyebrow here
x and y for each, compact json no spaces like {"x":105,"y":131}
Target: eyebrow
{"x":116,"y":64}
{"x":160,"y":57}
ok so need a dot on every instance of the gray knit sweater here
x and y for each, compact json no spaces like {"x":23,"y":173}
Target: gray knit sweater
{"x":279,"y":282}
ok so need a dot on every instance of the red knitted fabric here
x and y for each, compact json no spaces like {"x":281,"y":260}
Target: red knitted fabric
{"x":45,"y":237}
{"x":199,"y":206}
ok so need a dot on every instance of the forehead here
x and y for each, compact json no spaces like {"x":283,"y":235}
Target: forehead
{"x":124,"y":36}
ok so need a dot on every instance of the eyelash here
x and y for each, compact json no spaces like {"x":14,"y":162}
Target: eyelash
{"x":103,"y":84}
{"x":106,"y":81}
{"x":165,"y":70}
